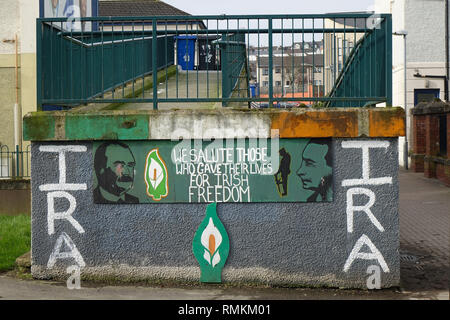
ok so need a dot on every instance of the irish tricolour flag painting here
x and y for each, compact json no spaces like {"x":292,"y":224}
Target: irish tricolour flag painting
{"x":156,"y":177}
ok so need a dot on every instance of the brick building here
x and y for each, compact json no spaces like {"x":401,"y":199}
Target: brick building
{"x":431,"y":140}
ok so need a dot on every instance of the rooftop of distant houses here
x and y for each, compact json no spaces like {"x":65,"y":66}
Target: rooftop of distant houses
{"x":116,"y":8}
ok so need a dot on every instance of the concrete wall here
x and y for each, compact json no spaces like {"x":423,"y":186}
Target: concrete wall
{"x":7,"y":98}
{"x":9,"y":25}
{"x":17,"y":17}
{"x":15,"y":197}
{"x":277,"y":243}
{"x":424,"y":20}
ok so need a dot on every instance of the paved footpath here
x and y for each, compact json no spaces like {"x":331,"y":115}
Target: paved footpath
{"x":424,"y":248}
{"x":424,"y":235}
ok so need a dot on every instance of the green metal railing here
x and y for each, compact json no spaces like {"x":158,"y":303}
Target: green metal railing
{"x":14,"y":164}
{"x":259,"y":60}
{"x":235,"y":77}
{"x":82,"y":67}
{"x":365,"y":68}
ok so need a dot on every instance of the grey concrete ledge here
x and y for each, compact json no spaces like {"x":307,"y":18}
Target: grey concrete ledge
{"x":15,"y":184}
{"x":218,"y":123}
{"x":435,"y":107}
{"x":246,"y":276}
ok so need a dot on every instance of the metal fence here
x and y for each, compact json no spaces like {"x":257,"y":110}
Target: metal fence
{"x":234,"y":66}
{"x":276,"y":60}
{"x":15,"y":163}
{"x":366,"y":70}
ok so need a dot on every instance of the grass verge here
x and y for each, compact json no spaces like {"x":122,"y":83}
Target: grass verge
{"x":15,"y":239}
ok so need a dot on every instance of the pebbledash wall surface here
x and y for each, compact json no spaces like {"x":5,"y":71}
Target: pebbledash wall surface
{"x":323,"y":213}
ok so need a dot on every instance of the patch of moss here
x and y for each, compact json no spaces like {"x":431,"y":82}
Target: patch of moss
{"x":148,"y":84}
{"x":318,"y":105}
{"x":39,"y":126}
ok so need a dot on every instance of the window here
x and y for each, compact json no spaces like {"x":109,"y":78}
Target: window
{"x":278,"y":83}
{"x":288,"y":83}
{"x":265,"y":83}
{"x":425,"y":95}
{"x":277,"y":70}
{"x":265,"y":71}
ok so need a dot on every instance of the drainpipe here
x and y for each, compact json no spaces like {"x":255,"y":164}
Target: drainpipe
{"x":447,"y":62}
{"x":17,"y":113}
{"x":404,"y":33}
{"x":405,"y":150}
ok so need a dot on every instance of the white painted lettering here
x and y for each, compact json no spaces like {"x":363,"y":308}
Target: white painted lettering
{"x":62,"y":185}
{"x":66,"y":215}
{"x":365,"y":146}
{"x":73,"y":252}
{"x":375,"y":254}
{"x":365,"y":208}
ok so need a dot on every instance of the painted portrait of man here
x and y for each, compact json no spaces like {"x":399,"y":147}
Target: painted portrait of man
{"x":315,"y":171}
{"x":114,"y":166}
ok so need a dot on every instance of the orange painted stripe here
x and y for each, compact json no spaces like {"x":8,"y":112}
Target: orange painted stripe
{"x":386,"y":122}
{"x":318,"y":124}
{"x":212,"y":244}
{"x":380,"y":122}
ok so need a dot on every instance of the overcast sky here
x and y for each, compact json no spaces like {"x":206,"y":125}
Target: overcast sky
{"x":215,"y":7}
{"x":237,"y":7}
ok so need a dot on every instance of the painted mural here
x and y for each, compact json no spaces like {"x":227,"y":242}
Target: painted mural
{"x":114,"y":166}
{"x":195,"y":171}
{"x":211,"y":246}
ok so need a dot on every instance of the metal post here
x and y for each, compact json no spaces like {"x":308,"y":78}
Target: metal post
{"x":17,"y":160}
{"x":405,"y":151}
{"x":154,"y":65}
{"x":270,"y":65}
{"x":405,"y":146}
{"x":39,"y":64}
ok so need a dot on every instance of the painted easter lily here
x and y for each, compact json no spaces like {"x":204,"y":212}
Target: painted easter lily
{"x":156,"y":177}
{"x":211,"y":240}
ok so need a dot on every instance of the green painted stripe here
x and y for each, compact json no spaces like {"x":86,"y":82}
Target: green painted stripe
{"x":101,"y":127}
{"x":38,"y":127}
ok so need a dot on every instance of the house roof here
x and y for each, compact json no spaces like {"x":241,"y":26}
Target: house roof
{"x":316,"y":58}
{"x":133,"y":8}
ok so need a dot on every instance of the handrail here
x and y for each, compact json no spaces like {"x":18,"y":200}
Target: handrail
{"x":310,"y":58}
{"x":224,"y":17}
